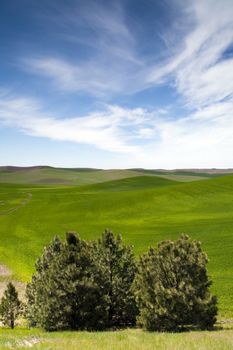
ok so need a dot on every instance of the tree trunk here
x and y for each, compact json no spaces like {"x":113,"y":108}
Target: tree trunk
{"x":12,"y":324}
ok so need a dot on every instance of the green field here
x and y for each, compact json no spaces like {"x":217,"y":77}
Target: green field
{"x":144,"y":209}
{"x":128,"y":339}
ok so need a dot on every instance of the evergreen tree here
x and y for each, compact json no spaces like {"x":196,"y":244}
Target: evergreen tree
{"x":119,"y":263}
{"x":39,"y":292}
{"x":172,"y":287}
{"x":68,"y":289}
{"x":10,"y":307}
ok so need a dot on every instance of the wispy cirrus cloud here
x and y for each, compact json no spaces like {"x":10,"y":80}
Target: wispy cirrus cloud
{"x":101,"y":30}
{"x":201,"y":73}
{"x":203,"y":139}
{"x":113,"y":128}
{"x":200,"y":69}
{"x":197,"y":68}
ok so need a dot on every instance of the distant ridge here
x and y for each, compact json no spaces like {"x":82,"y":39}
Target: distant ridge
{"x":12,"y":168}
{"x":48,"y":175}
{"x":189,"y":170}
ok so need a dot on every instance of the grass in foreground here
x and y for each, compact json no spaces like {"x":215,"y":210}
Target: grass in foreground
{"x":120,"y":340}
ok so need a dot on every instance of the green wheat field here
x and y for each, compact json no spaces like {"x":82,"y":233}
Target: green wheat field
{"x":145,"y":207}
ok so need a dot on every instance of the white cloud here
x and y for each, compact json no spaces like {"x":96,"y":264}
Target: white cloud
{"x":113,"y":129}
{"x":199,"y":71}
{"x":112,"y":52}
{"x":87,"y":77}
{"x":204,"y":139}
{"x":196,"y":141}
{"x":202,"y":75}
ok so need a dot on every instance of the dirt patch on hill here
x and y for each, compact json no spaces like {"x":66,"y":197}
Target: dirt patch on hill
{"x":20,"y":287}
{"x":5,"y":277}
{"x":4,"y":271}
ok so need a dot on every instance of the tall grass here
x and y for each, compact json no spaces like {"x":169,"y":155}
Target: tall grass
{"x":119,"y":340}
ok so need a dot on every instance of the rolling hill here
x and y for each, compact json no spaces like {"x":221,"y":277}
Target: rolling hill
{"x":145,"y":209}
{"x":47,"y":175}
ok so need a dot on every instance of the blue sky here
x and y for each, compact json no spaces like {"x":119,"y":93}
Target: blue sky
{"x":116,"y":84}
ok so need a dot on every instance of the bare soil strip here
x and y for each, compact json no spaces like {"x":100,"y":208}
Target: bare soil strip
{"x":5,"y":275}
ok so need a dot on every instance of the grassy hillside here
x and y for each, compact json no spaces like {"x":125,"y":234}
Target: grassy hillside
{"x":66,"y":176}
{"x":130,"y":184}
{"x":144,"y":209}
{"x":84,"y":176}
{"x":186,"y":175}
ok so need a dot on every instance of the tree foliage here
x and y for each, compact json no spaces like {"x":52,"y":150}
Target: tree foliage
{"x":98,"y":285}
{"x":68,"y":289}
{"x":172,"y":287}
{"x":83,"y":285}
{"x":119,"y":263}
{"x":38,"y":291}
{"x":11,"y":306}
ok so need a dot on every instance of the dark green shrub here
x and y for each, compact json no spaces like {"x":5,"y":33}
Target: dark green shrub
{"x":172,"y":287}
